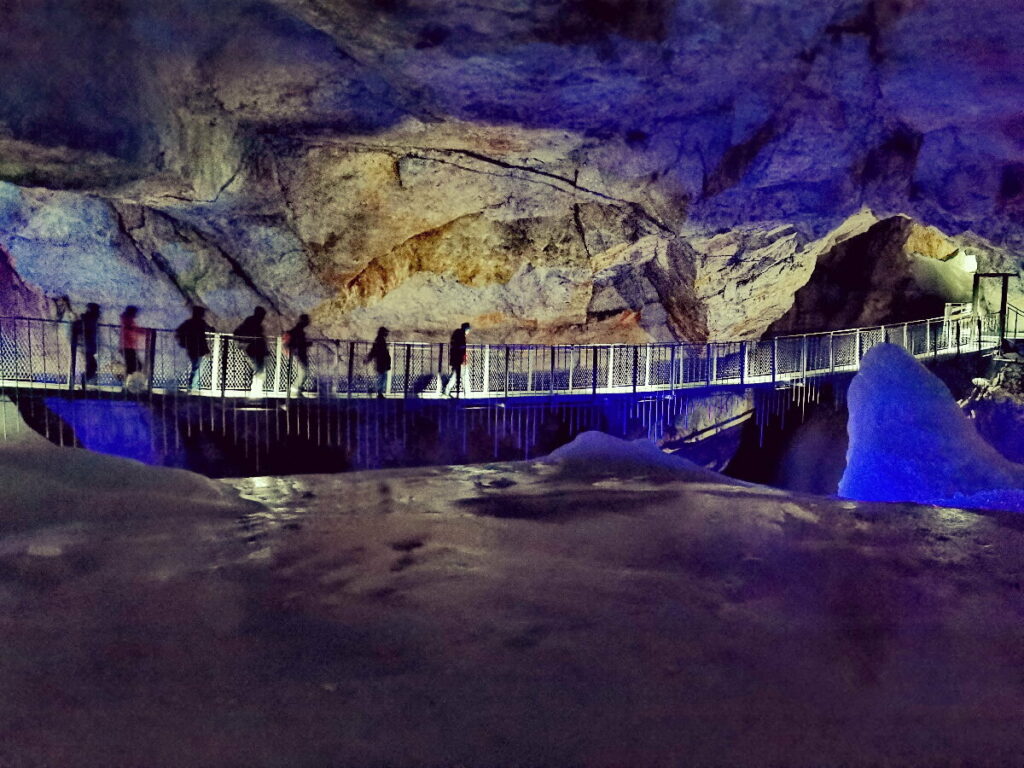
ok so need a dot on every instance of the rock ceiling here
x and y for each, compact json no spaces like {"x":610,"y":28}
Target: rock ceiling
{"x":548,"y":169}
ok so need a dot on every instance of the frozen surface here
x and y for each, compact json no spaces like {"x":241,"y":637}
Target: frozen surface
{"x":909,"y":441}
{"x":42,"y":484}
{"x":595,"y":452}
{"x":511,"y":615}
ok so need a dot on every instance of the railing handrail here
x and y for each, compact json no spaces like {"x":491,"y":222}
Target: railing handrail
{"x":517,"y":345}
{"x":40,"y":352}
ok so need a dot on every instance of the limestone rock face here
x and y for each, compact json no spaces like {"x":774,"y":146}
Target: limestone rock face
{"x":564,"y":170}
{"x":893,"y":271}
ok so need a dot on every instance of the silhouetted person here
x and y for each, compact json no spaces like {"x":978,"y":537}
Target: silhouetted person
{"x":457,"y":355}
{"x":133,"y":341}
{"x":191,"y":335}
{"x":298,"y":350}
{"x":83,"y":330}
{"x":250,"y":333}
{"x":62,"y":308}
{"x":380,"y":356}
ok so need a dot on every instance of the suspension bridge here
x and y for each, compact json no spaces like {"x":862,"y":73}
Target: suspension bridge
{"x":516,"y":400}
{"x":39,"y":354}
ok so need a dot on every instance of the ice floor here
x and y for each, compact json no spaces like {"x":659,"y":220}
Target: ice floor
{"x":599,"y":613}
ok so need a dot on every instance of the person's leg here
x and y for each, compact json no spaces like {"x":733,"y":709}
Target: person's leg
{"x":91,"y":366}
{"x":458,"y":381}
{"x":197,"y":367}
{"x":131,"y":362}
{"x":301,"y":372}
{"x":259,"y":376}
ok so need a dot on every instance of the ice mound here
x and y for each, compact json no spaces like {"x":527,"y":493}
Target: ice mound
{"x":41,"y":483}
{"x":909,"y":441}
{"x":597,"y":453}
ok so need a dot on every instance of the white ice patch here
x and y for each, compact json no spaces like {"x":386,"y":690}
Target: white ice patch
{"x":43,"y":484}
{"x":909,"y":441}
{"x":596,"y":453}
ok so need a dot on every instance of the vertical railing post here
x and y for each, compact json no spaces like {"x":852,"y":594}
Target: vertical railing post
{"x":672,"y":368}
{"x":709,"y":374}
{"x":979,"y":334}
{"x":636,"y":365}
{"x":831,"y":352}
{"x":804,"y":343}
{"x":775,"y":359}
{"x":408,"y":371}
{"x":743,"y":362}
{"x":551,"y":374}
{"x":216,"y":371}
{"x":487,"y":370}
{"x":906,"y":343}
{"x":856,"y":350}
{"x":647,"y":366}
{"x":150,"y":358}
{"x":279,"y":365}
{"x":351,"y":367}
{"x":530,"y":351}
{"x":508,"y":373}
{"x":956,"y":326}
{"x":593,"y":368}
{"x":611,"y":367}
{"x":73,"y":347}
{"x":571,"y":366}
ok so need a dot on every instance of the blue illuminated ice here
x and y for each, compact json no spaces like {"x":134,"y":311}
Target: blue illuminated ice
{"x":909,"y":441}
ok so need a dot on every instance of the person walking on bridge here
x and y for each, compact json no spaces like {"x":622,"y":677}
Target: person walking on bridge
{"x":457,"y":357}
{"x":133,"y":344}
{"x":85,"y":329}
{"x":298,"y":353}
{"x":191,"y":336}
{"x":250,"y":333}
{"x":380,"y":356}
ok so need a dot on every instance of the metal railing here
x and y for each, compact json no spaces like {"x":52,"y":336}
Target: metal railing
{"x":39,"y":353}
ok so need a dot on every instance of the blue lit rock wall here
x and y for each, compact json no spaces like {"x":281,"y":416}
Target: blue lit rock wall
{"x":567,"y":169}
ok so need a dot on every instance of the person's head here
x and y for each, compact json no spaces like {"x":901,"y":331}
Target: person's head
{"x":92,"y":308}
{"x":198,"y":313}
{"x":466,"y":327}
{"x":259,"y":313}
{"x":382,"y":332}
{"x":130,"y":311}
{"x":303,"y":320}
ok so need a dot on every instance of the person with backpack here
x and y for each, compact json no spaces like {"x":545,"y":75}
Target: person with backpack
{"x":191,"y":336}
{"x":298,"y":353}
{"x":250,"y":334}
{"x":380,"y":356}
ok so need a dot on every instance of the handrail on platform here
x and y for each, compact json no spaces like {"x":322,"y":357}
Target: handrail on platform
{"x":40,"y":353}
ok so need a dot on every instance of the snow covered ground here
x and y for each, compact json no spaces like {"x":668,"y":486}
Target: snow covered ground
{"x":587,"y":610}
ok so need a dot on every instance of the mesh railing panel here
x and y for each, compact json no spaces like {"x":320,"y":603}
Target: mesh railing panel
{"x":39,"y":352}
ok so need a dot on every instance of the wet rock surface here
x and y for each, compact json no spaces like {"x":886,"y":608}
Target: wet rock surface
{"x":467,"y":616}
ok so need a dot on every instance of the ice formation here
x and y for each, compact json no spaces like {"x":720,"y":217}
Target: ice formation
{"x":909,"y":441}
{"x":41,"y":483}
{"x":595,"y":452}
